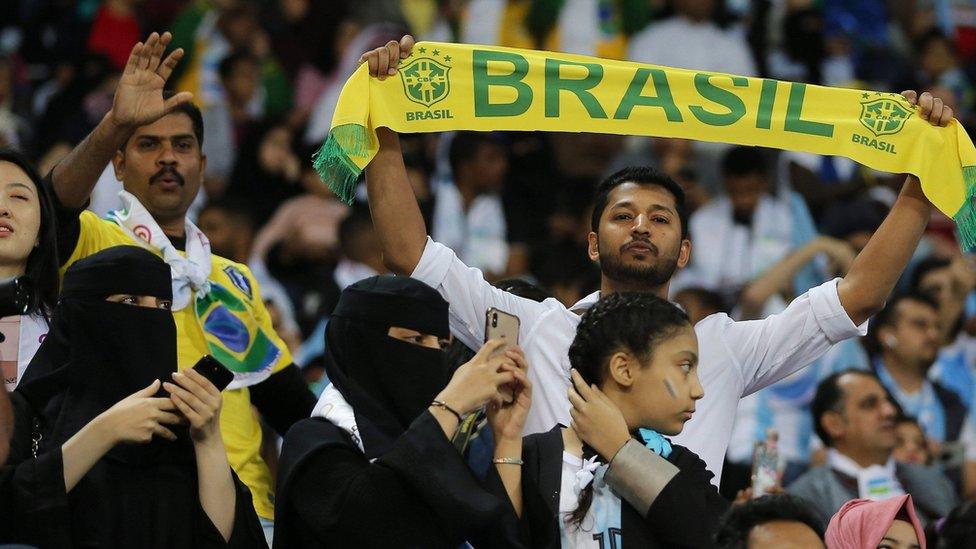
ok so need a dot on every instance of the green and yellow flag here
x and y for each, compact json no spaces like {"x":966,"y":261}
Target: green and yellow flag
{"x":443,"y":87}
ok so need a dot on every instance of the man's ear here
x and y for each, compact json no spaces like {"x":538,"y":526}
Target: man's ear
{"x":684,"y":253}
{"x":118,"y":164}
{"x":593,"y":247}
{"x":833,"y":423}
{"x":621,"y":368}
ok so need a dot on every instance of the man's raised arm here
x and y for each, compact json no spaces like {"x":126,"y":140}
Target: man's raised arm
{"x":876,"y":269}
{"x":396,"y":215}
{"x":138,"y":101}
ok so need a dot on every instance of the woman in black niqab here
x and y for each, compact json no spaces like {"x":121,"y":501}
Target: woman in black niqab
{"x":384,"y":472}
{"x":103,"y":453}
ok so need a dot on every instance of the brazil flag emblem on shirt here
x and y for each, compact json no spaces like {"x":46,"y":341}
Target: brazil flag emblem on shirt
{"x":234,"y":336}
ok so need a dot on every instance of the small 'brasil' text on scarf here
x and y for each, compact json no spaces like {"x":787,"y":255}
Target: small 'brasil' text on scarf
{"x":444,"y":87}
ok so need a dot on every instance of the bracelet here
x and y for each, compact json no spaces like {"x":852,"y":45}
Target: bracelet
{"x":440,"y":404}
{"x":508,"y":461}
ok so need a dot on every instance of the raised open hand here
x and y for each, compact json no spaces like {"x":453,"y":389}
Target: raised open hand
{"x":139,"y":95}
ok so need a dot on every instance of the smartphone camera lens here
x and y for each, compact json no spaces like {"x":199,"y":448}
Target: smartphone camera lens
{"x":494,"y":320}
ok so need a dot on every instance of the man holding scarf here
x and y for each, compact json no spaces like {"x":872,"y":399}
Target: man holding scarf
{"x":639,"y":238}
{"x":153,"y":140}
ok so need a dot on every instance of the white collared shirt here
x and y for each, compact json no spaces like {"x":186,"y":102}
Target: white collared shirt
{"x":736,"y":358}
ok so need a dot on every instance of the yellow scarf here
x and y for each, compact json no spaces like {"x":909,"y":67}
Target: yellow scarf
{"x":442,"y":87}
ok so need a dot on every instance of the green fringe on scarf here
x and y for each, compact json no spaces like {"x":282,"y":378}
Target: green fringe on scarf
{"x":333,"y":162}
{"x":965,"y":218}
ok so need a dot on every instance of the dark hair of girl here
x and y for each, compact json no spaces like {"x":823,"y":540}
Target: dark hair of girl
{"x":627,"y":321}
{"x":42,"y":263}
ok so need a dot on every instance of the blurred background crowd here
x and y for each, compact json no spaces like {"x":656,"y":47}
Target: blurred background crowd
{"x":767,"y":225}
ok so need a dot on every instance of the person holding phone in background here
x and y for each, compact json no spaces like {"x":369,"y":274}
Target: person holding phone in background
{"x":99,"y":457}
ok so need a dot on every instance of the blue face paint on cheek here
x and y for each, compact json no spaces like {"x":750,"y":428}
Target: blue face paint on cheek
{"x":670,"y":387}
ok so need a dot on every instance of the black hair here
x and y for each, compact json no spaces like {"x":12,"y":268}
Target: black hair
{"x":905,"y":418}
{"x":830,"y":398}
{"x":43,"y":261}
{"x":742,"y":160}
{"x":627,"y":321}
{"x":735,"y":526}
{"x":465,"y":146}
{"x":229,"y":63}
{"x":234,"y":207}
{"x":887,"y":317}
{"x":523,"y":288}
{"x":190,"y":110}
{"x":959,"y":528}
{"x":934,"y":34}
{"x":640,"y":175}
{"x":709,"y":299}
{"x":356,"y":223}
{"x":926,"y":266}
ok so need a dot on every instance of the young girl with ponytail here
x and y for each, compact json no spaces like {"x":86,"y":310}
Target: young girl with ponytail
{"x":611,"y":479}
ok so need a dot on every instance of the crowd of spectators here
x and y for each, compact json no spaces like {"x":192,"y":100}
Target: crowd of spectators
{"x":766,"y":225}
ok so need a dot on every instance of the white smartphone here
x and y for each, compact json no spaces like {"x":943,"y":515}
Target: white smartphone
{"x":504,"y":326}
{"x":501,"y":325}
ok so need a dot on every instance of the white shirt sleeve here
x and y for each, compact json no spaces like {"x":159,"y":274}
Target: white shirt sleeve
{"x":968,"y":437}
{"x":470,"y":295}
{"x":765,"y":351}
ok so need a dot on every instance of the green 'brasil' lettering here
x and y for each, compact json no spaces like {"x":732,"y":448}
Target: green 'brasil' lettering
{"x":556,"y":83}
{"x":633,"y":98}
{"x":794,"y":108}
{"x":729,"y":100}
{"x":483,"y":81}
{"x":767,"y":96}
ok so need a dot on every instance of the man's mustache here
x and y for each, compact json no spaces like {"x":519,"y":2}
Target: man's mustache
{"x":168,"y":171}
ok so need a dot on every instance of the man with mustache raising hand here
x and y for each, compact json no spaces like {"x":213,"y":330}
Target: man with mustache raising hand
{"x":639,"y":237}
{"x":153,"y":139}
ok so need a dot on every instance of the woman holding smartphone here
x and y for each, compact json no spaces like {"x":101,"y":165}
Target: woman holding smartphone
{"x":381,"y":463}
{"x":104,"y":453}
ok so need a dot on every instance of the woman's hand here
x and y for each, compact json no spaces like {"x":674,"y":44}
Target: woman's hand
{"x":597,"y":420}
{"x":480,"y":380}
{"x":199,"y":401}
{"x":508,"y":419}
{"x":138,"y":417}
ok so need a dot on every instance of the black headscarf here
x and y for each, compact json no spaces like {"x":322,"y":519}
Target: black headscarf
{"x":387,"y":382}
{"x":99,"y":352}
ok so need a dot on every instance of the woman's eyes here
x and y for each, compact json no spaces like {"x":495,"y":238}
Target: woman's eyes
{"x":165,"y":305}
{"x":129,"y":300}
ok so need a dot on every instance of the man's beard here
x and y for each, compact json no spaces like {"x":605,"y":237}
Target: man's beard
{"x":648,"y":276}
